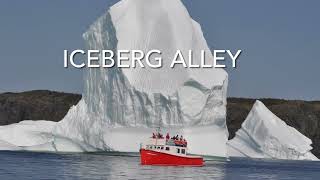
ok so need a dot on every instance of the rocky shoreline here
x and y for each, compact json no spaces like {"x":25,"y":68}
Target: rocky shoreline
{"x":53,"y":106}
{"x":35,"y":105}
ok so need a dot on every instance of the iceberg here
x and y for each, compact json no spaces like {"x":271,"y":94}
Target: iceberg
{"x":264,"y":135}
{"x":37,"y":136}
{"x":123,"y":106}
{"x":5,"y":146}
{"x":27,"y":133}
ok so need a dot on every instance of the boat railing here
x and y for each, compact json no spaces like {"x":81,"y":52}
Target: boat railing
{"x":180,"y":143}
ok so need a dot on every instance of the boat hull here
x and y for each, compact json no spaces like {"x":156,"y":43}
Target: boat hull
{"x":149,"y":157}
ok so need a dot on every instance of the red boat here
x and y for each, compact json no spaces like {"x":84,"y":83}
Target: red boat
{"x":167,"y":151}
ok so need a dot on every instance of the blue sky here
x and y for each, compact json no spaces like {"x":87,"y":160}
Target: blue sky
{"x":280,"y":42}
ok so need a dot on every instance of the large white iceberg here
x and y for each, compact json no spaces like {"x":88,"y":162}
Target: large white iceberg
{"x":264,"y":135}
{"x":121,"y":107}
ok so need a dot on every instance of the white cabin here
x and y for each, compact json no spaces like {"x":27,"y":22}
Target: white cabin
{"x":164,"y":146}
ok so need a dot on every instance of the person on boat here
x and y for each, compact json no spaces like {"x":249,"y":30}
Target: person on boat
{"x":167,"y":137}
{"x":160,"y":136}
{"x":153,"y":136}
{"x":181,"y":138}
{"x":184,"y":142}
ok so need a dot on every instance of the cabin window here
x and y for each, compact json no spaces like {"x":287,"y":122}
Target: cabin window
{"x":158,"y":147}
{"x":183,"y":151}
{"x":154,"y":147}
{"x":161,"y":147}
{"x":167,"y":149}
{"x":178,"y":150}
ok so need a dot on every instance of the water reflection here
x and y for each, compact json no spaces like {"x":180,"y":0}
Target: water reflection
{"x":115,"y":167}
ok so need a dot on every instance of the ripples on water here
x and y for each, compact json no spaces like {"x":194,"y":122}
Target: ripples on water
{"x":27,"y":165}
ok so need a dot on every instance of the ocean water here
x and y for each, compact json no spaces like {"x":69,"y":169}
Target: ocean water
{"x":29,"y":165}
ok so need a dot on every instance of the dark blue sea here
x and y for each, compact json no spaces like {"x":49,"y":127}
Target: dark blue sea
{"x":28,"y":165}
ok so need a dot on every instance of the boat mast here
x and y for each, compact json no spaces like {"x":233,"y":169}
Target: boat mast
{"x":159,"y":117}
